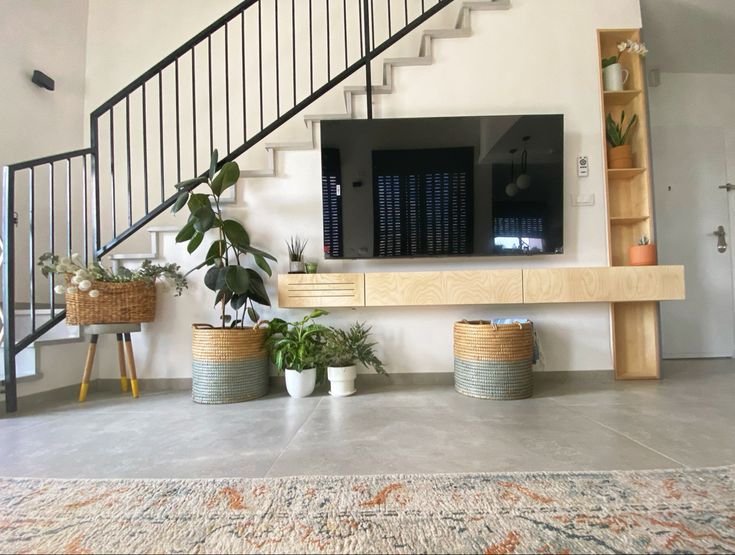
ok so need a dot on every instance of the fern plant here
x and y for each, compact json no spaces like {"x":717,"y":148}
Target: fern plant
{"x":614,"y":130}
{"x":345,"y":348}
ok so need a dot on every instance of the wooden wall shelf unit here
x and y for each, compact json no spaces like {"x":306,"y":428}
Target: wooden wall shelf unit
{"x":602,"y":284}
{"x":635,"y":337}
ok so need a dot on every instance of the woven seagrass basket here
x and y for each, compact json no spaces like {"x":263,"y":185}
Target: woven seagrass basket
{"x":493,"y":361}
{"x":131,"y":302}
{"x":229,"y":365}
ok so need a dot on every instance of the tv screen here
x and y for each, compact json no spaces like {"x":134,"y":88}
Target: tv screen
{"x":455,"y":186}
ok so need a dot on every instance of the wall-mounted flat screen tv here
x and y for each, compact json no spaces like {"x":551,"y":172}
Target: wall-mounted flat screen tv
{"x":442,"y":187}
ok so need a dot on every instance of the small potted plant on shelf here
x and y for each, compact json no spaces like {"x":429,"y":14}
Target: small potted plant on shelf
{"x":297,"y":350}
{"x":614,"y":76}
{"x":642,"y":254}
{"x":95,"y":294}
{"x":296,"y":255}
{"x":620,"y":154}
{"x":230,"y":362}
{"x":342,"y":351}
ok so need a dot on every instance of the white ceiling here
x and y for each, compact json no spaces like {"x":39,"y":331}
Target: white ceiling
{"x":690,"y":36}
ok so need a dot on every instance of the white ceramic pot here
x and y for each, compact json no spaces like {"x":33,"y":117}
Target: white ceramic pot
{"x":296,"y":267}
{"x":300,"y":384}
{"x":342,"y":380}
{"x":614,"y":77}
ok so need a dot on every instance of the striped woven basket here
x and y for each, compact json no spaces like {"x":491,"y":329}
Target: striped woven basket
{"x":229,"y":365}
{"x":493,"y":361}
{"x":131,"y":302}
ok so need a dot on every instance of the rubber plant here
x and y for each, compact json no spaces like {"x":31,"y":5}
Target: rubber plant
{"x":232,"y":282}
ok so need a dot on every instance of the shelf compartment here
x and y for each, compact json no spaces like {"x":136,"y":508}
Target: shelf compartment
{"x":620,"y":98}
{"x":624,"y":173}
{"x":627,"y":220}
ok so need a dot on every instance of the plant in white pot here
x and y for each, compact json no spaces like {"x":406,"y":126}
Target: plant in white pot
{"x":342,"y":351}
{"x":296,"y":350}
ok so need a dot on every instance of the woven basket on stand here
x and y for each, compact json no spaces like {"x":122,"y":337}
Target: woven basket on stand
{"x":229,"y":364}
{"x":493,"y":361}
{"x":131,"y":302}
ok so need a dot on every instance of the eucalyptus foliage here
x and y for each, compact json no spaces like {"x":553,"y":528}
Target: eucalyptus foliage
{"x":227,"y":277}
{"x":615,"y":134}
{"x":298,"y":345}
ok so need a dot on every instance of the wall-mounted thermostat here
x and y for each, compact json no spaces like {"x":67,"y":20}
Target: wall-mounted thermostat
{"x":583,"y":166}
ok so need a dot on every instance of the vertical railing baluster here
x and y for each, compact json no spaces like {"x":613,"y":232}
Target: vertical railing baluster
{"x":68,"y":207}
{"x":127,"y":158}
{"x":360,"y":7}
{"x":390,"y":28}
{"x":178,"y":122}
{"x":260,"y":61}
{"x":311,"y":48}
{"x":31,"y":246}
{"x":423,"y":9}
{"x":227,"y":85}
{"x":95,"y":171}
{"x":368,"y":57}
{"x":145,"y":147}
{"x":194,"y":110}
{"x":372,"y":25}
{"x":293,"y":46}
{"x":160,"y":135}
{"x":112,"y":171}
{"x":52,"y":242}
{"x":8,"y":294}
{"x":405,"y":12}
{"x":344,"y":22}
{"x":329,"y":75}
{"x":244,"y":82}
{"x":85,"y":213}
{"x":278,"y":77}
{"x":211,"y":111}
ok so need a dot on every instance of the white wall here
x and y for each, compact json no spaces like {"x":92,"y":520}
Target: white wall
{"x":539,"y":57}
{"x":34,"y":122}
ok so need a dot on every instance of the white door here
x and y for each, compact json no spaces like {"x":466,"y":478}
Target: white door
{"x":690,"y":163}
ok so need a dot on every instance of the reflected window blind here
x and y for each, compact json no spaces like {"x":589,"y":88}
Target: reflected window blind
{"x":332,"y":202}
{"x":423,"y":201}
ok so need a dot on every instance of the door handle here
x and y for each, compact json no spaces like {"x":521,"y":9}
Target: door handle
{"x":727,"y":187}
{"x":721,"y":242}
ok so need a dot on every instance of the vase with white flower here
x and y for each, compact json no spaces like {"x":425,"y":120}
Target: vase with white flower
{"x":95,"y":294}
{"x":614,"y":76}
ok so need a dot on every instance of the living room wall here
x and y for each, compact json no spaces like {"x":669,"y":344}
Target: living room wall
{"x":538,"y":57}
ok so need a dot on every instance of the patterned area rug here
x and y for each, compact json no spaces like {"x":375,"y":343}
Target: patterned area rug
{"x":597,"y":512}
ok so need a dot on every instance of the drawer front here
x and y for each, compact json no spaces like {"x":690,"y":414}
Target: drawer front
{"x":444,"y":288}
{"x":614,"y":284}
{"x":320,"y":290}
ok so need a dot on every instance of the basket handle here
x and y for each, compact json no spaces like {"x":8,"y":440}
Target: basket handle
{"x":202,"y":326}
{"x":259,"y":323}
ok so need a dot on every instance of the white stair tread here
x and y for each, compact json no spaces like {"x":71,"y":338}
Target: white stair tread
{"x":410,"y":61}
{"x":290,"y":146}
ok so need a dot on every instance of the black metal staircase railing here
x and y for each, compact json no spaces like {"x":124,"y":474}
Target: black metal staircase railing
{"x":237,"y":80}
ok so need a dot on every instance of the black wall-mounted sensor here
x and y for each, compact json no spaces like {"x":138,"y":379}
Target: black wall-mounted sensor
{"x":42,"y":80}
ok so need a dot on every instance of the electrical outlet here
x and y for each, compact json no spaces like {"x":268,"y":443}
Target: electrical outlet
{"x":583,"y":200}
{"x":583,"y":166}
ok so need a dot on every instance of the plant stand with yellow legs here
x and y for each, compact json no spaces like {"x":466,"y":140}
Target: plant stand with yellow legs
{"x":124,"y":347}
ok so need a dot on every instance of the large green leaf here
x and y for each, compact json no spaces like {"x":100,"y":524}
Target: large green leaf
{"x":210,"y":278}
{"x":236,"y":233}
{"x":190,"y":183}
{"x":263,"y":264}
{"x":226,"y":178}
{"x":237,"y":279}
{"x":257,"y":290}
{"x":252,"y":314}
{"x":238,"y":301}
{"x":252,"y":250}
{"x":186,"y":233}
{"x":213,"y":163}
{"x":204,"y":218}
{"x":223,"y":295}
{"x":217,"y":250}
{"x":195,"y":242}
{"x":197,"y":200}
{"x":180,"y":202}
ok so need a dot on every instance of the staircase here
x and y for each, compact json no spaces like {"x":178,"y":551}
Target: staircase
{"x":94,"y":199}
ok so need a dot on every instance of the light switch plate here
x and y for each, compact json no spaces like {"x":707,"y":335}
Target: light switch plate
{"x":583,"y":166}
{"x":583,"y":200}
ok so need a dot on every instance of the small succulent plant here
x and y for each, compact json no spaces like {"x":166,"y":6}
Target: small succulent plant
{"x":644,"y":240}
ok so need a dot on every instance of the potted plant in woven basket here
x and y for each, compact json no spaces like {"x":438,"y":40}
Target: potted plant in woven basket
{"x":343,"y":349}
{"x":95,"y":294}
{"x":297,"y":350}
{"x":230,"y":362}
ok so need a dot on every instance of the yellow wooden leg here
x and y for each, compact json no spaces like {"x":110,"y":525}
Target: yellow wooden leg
{"x":88,"y":368}
{"x":131,"y":365}
{"x":121,"y":364}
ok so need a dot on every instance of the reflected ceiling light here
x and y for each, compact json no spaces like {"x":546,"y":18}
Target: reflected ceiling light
{"x":511,"y":189}
{"x":524,"y":180}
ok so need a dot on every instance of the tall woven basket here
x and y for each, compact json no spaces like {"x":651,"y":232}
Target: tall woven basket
{"x":131,"y":302}
{"x":229,"y":365}
{"x":493,"y":361}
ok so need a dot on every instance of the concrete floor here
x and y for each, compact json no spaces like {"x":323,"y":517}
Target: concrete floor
{"x":576,"y":421}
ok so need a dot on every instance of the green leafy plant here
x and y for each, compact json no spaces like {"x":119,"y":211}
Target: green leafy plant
{"x":610,"y":61}
{"x":614,"y":130}
{"x":296,"y":249}
{"x":82,"y":277}
{"x":227,"y":277}
{"x":345,"y":348}
{"x":298,"y":345}
{"x":644,"y":240}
